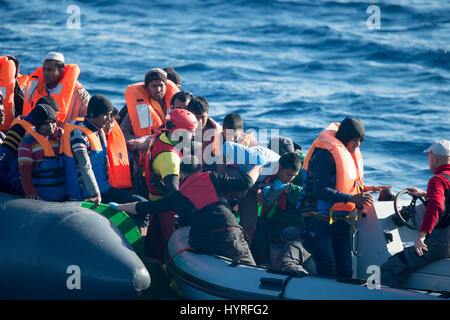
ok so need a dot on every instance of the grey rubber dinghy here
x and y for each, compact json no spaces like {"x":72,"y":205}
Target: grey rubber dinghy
{"x":51,"y":250}
{"x":379,"y":235}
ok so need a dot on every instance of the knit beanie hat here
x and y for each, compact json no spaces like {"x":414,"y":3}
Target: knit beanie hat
{"x":49,"y":101}
{"x":349,"y":129}
{"x":41,"y":113}
{"x":154,"y":74}
{"x":98,"y":104}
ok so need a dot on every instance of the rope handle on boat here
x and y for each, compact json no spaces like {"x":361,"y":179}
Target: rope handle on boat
{"x":188,"y":248}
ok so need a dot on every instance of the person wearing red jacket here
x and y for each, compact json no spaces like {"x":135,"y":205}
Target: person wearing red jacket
{"x":433,"y":241}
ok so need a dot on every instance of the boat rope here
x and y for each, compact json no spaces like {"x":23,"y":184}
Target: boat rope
{"x":188,"y":248}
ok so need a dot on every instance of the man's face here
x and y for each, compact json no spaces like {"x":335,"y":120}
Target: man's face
{"x":157,"y":89}
{"x":353,"y":144}
{"x":2,"y":111}
{"x":52,"y":75}
{"x":203,"y":118}
{"x":47,"y":128}
{"x":287,"y":175}
{"x":433,"y":162}
{"x":177,"y":104}
{"x":101,"y":120}
{"x":109,"y":126}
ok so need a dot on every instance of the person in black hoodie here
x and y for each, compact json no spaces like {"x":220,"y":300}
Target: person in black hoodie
{"x":330,"y":209}
{"x":201,"y":202}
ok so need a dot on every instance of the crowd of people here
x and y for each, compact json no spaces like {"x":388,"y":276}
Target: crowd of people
{"x":163,"y":160}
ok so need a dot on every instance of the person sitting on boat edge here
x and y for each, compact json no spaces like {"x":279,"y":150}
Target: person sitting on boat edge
{"x":208,"y":129}
{"x":85,"y":155}
{"x":333,"y":189}
{"x":279,"y":200}
{"x":60,"y":81}
{"x":201,"y":203}
{"x":147,"y":105}
{"x":9,"y":168}
{"x":162,"y":174}
{"x":41,"y":165}
{"x":433,"y":241}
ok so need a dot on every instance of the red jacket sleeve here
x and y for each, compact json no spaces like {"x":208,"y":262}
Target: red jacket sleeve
{"x":435,"y":203}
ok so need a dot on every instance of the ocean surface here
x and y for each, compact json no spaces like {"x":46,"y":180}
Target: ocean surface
{"x":294,"y":66}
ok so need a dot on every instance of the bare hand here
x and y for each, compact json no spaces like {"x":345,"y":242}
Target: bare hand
{"x":416,"y":192}
{"x":97,"y":199}
{"x":33,"y":196}
{"x":420,"y":244}
{"x":142,"y":231}
{"x":361,"y":199}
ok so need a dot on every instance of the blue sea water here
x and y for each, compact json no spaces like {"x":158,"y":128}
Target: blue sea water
{"x":291,"y":65}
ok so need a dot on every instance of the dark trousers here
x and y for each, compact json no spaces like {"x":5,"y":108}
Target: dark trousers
{"x":269,"y":230}
{"x":161,"y":228}
{"x":331,"y":246}
{"x":231,"y":243}
{"x":397,"y":269}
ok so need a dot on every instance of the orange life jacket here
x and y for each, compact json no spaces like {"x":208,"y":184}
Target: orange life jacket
{"x":349,"y":166}
{"x":7,"y":84}
{"x":23,"y":80}
{"x":24,"y":123}
{"x":146,"y":114}
{"x":119,"y":164}
{"x":63,"y":93}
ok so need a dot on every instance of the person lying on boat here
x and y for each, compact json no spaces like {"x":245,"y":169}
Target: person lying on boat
{"x":40,"y":162}
{"x":277,"y":172}
{"x":201,"y":203}
{"x":333,"y":189}
{"x":9,"y":166}
{"x":278,"y":205}
{"x":433,"y":241}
